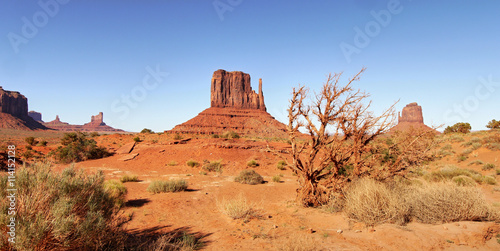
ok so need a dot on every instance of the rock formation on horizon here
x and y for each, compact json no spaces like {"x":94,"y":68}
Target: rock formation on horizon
{"x":234,"y":107}
{"x":96,"y":124}
{"x":410,"y":117}
{"x":233,"y":89}
{"x":36,"y":116}
{"x":14,"y":112}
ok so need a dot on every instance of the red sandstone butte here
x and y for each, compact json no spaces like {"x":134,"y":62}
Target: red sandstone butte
{"x":234,"y":107}
{"x":14,"y":112}
{"x":96,"y":124}
{"x":410,"y":117}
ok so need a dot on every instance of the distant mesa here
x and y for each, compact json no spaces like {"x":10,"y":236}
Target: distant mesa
{"x":36,"y":116}
{"x":234,"y":107}
{"x":96,"y":124}
{"x":411,"y":117}
{"x":14,"y":112}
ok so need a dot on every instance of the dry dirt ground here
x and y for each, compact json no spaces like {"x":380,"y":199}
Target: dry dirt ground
{"x":282,"y":224}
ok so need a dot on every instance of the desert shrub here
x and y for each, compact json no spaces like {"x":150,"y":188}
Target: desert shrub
{"x":456,"y":138}
{"x":237,"y":208}
{"x":76,"y":147}
{"x":117,"y":191}
{"x":173,"y":163}
{"x":249,"y":177}
{"x":146,"y":130}
{"x":215,"y":136}
{"x":177,"y":136}
{"x":446,"y":147}
{"x":497,"y":171}
{"x":466,"y":152}
{"x":42,"y":143}
{"x":230,"y":135}
{"x":281,"y":165}
{"x":137,"y":139}
{"x":488,"y":166}
{"x":445,"y":202}
{"x":175,"y":241}
{"x":61,"y":211}
{"x":461,"y":158}
{"x":493,"y":124}
{"x":475,"y":162}
{"x":476,"y":145}
{"x":212,"y":166}
{"x":373,"y":202}
{"x":94,"y":134}
{"x":203,"y":173}
{"x":192,"y":163}
{"x":129,"y":178}
{"x":490,"y":180}
{"x":299,"y":242}
{"x":463,"y":180}
{"x":460,"y":127}
{"x":493,"y":146}
{"x":164,"y":186}
{"x":277,"y":178}
{"x":31,"y":141}
{"x":252,"y":163}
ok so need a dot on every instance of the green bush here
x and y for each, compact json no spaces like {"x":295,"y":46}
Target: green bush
{"x":146,"y":130}
{"x":116,"y":190}
{"x":460,"y":127}
{"x":277,"y":178}
{"x":192,"y":163}
{"x":164,"y":186}
{"x":177,"y":136}
{"x":493,"y":124}
{"x":61,"y":211}
{"x":31,"y":141}
{"x":94,"y":134}
{"x":281,"y":165}
{"x":230,"y":135}
{"x":137,"y":139}
{"x":76,"y":147}
{"x":252,"y":163}
{"x":488,"y":166}
{"x":42,"y":143}
{"x":129,"y":178}
{"x":213,"y":166}
{"x":215,"y":136}
{"x":249,"y":177}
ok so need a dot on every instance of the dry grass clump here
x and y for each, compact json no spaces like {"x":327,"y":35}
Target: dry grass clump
{"x":249,"y":177}
{"x":175,"y":241}
{"x":449,"y":172}
{"x":213,"y":166}
{"x":373,"y":202}
{"x":299,"y":242}
{"x":129,"y":178}
{"x":252,"y":163}
{"x":116,"y":190}
{"x":488,"y":166}
{"x":192,"y":163}
{"x":277,"y":178}
{"x":237,"y":208}
{"x":165,"y":186}
{"x":281,"y":165}
{"x":446,"y":202}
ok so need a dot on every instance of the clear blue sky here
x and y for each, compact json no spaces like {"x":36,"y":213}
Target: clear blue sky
{"x":75,"y":58}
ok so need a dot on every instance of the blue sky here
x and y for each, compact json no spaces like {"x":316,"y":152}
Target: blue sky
{"x":148,"y":64}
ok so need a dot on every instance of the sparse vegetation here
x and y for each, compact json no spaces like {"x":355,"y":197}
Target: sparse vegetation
{"x":137,"y":139}
{"x":31,"y":141}
{"x":74,"y":211}
{"x":460,"y":127}
{"x":212,"y":166}
{"x":493,"y":124}
{"x":450,"y":172}
{"x":76,"y":147}
{"x":129,"y":178}
{"x":488,"y":166}
{"x":174,"y":163}
{"x":249,"y":177}
{"x":165,"y":186}
{"x":252,"y":163}
{"x":117,"y":191}
{"x":146,"y":130}
{"x":192,"y":163}
{"x":281,"y":165}
{"x":94,"y":134}
{"x":177,"y":136}
{"x":237,"y":208}
{"x":230,"y":135}
{"x":277,"y":178}
{"x":475,"y":162}
{"x":42,"y":143}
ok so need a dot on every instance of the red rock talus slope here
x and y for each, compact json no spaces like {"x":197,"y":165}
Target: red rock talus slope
{"x":234,"y":107}
{"x":411,"y":117}
{"x":14,"y":112}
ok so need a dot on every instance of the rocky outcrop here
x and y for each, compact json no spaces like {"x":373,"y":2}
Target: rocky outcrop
{"x":411,"y":113}
{"x":411,"y":118}
{"x":13,"y":103}
{"x":36,"y":116}
{"x":96,"y":125}
{"x":233,"y":90}
{"x":234,"y":107}
{"x":14,"y":112}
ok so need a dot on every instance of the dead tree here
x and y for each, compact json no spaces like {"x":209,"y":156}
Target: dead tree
{"x":339,"y":130}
